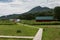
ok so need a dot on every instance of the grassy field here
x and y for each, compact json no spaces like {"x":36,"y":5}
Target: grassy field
{"x":6,"y":22}
{"x":50,"y":32}
{"x":13,"y":39}
{"x":33,"y":22}
{"x":13,"y":30}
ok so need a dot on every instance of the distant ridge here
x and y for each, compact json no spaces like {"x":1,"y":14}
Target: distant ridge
{"x":32,"y":11}
{"x":39,"y":9}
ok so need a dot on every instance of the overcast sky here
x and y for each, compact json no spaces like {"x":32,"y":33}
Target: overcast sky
{"x":20,"y":6}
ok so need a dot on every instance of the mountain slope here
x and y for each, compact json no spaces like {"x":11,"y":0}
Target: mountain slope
{"x":31,"y":13}
{"x":38,"y":9}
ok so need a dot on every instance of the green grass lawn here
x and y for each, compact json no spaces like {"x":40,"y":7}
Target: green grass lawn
{"x":13,"y":39}
{"x":6,"y":22}
{"x":50,"y":32}
{"x":12,"y":30}
{"x":33,"y":22}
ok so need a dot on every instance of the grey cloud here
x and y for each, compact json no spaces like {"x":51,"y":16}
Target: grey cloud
{"x":6,"y":0}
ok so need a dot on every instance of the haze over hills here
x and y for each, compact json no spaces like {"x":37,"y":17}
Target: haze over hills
{"x":32,"y":11}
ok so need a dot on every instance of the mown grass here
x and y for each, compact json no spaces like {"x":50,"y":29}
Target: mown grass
{"x":13,"y":39}
{"x":6,"y":22}
{"x":12,"y":30}
{"x":50,"y":32}
{"x":9,"y":28}
{"x":33,"y":22}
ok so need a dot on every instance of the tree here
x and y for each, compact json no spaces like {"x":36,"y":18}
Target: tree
{"x":57,"y":12}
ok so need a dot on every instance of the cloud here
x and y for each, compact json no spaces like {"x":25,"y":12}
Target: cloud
{"x":6,"y":9}
{"x":5,"y":1}
{"x":20,"y":6}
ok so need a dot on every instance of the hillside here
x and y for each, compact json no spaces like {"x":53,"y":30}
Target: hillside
{"x":36,"y":11}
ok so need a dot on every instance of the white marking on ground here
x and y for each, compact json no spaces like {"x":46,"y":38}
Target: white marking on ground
{"x":39,"y":34}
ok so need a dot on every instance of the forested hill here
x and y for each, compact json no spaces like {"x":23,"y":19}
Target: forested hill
{"x":36,"y":11}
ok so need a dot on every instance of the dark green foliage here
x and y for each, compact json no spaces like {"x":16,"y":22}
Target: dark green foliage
{"x":33,"y":22}
{"x":31,"y":16}
{"x":57,"y":12}
{"x":13,"y":16}
{"x":36,"y":11}
{"x":18,"y":31}
{"x":6,"y":22}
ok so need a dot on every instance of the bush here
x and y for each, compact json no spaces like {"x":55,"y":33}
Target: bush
{"x":18,"y":31}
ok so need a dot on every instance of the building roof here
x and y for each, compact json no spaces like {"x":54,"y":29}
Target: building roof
{"x":45,"y":18}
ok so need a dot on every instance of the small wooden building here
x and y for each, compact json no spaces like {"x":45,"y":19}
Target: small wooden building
{"x":44,"y":18}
